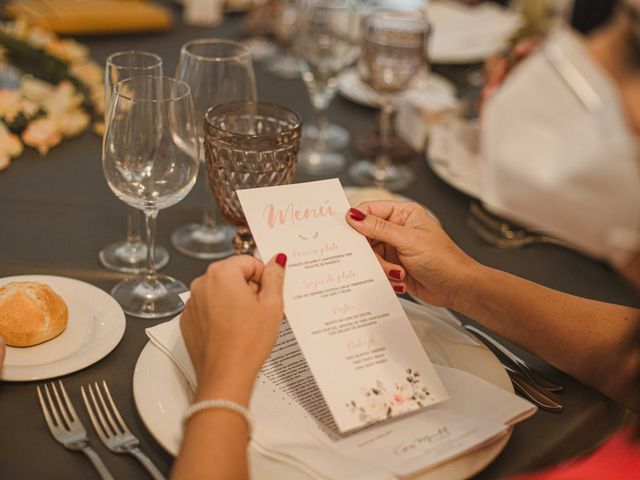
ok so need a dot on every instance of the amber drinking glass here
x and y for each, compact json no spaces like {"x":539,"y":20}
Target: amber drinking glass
{"x":248,"y":145}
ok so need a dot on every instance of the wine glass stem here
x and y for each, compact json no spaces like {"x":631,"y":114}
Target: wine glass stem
{"x":210,"y":209}
{"x":151,"y":217}
{"x":321,"y":121}
{"x":133,"y":226}
{"x":382,"y":159}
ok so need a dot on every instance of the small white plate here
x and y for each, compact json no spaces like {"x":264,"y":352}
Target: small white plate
{"x":468,"y":34}
{"x":162,"y":394}
{"x":96,"y":325}
{"x":353,"y":88}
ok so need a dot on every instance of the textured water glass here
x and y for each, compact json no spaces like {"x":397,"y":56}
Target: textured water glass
{"x":249,"y":145}
{"x":218,"y":71}
{"x":129,"y":255}
{"x":394,"y":50}
{"x":150,"y":161}
{"x":328,"y":43}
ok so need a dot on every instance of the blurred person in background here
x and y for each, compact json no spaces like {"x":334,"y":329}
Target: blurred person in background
{"x":560,"y":137}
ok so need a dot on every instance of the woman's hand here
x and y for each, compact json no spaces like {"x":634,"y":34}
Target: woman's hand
{"x":415,"y":253}
{"x":231,"y":322}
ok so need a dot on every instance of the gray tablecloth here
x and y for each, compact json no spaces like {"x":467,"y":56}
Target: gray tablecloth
{"x":57,"y":212}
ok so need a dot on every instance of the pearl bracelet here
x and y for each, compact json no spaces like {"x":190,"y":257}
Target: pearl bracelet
{"x":220,"y":403}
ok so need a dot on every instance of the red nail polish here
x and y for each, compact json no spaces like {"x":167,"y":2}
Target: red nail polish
{"x":397,"y":274}
{"x":398,"y":288}
{"x":281,"y":259}
{"x":356,"y":214}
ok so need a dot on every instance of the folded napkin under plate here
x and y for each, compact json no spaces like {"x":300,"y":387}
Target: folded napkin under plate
{"x":287,"y":432}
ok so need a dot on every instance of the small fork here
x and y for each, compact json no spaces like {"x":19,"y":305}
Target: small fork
{"x":66,"y":428}
{"x":114,"y":432}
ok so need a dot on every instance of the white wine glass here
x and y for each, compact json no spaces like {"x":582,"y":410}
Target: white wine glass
{"x":394,"y":50}
{"x":218,"y":71}
{"x":129,"y":255}
{"x":150,"y":161}
{"x":285,"y":63}
{"x":328,"y":43}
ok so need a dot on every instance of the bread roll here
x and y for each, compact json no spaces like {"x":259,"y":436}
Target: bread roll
{"x":30,"y":313}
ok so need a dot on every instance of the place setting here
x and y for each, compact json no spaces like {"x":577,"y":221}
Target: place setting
{"x":397,"y":353}
{"x":459,"y":358}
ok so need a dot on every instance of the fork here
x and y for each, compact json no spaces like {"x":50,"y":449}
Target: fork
{"x":112,"y":429}
{"x":501,"y":234}
{"x":66,"y":427}
{"x":523,"y":239}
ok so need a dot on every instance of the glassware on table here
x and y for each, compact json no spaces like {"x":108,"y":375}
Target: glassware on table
{"x":394,"y":50}
{"x":218,"y":71}
{"x":285,"y":64}
{"x":249,"y":145}
{"x":327,"y":42}
{"x":150,"y":161}
{"x":129,"y":255}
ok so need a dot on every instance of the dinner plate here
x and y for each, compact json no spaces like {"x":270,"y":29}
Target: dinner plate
{"x":468,"y":34}
{"x":96,"y":325}
{"x":352,"y":87}
{"x":162,"y":394}
{"x":453,"y":155}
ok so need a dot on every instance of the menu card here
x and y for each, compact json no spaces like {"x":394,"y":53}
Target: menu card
{"x":356,"y":338}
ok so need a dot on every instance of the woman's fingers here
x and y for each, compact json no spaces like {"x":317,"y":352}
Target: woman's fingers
{"x":233,"y":268}
{"x":273,"y":281}
{"x":376,"y":228}
{"x":399,"y":287}
{"x":393,"y":271}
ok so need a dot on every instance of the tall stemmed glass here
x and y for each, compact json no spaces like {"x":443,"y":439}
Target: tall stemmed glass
{"x":218,"y":71}
{"x":249,"y":145}
{"x":327,"y":42}
{"x":129,"y":255}
{"x":285,"y":64}
{"x":394,"y":50}
{"x":150,"y":161}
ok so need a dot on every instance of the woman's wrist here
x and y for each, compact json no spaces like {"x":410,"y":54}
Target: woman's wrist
{"x":465,"y":299}
{"x":233,"y":384}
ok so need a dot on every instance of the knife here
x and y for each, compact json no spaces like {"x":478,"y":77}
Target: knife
{"x":545,"y":400}
{"x":514,"y":361}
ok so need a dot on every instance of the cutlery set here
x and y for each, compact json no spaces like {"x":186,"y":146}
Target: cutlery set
{"x":528,"y":382}
{"x":68,"y":430}
{"x":503,"y":235}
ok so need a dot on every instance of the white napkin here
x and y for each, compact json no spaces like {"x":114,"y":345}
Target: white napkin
{"x":421,"y":110}
{"x":454,"y":150}
{"x":559,"y":164}
{"x":285,"y":433}
{"x":468,"y":34}
{"x":203,"y":13}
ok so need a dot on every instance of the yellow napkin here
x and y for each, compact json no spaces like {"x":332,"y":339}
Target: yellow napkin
{"x":88,"y":17}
